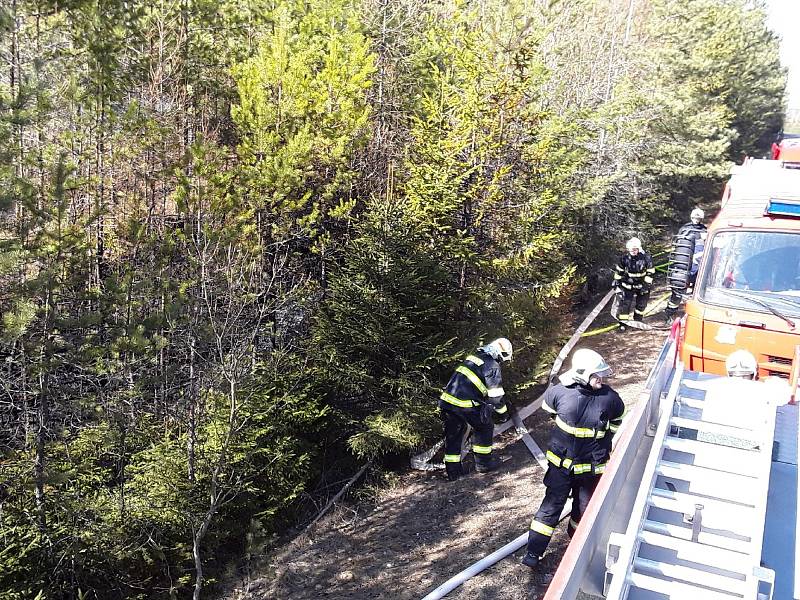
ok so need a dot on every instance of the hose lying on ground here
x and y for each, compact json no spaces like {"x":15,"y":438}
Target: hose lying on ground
{"x":484,"y":563}
{"x":422,"y":462}
{"x":511,"y":547}
{"x":487,"y":561}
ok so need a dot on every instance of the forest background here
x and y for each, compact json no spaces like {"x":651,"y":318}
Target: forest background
{"x":244,"y":242}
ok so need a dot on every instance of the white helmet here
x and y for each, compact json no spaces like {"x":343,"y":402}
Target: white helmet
{"x":633,"y":243}
{"x":697,"y":215}
{"x":585,"y":363}
{"x":741,"y":364}
{"x":499,"y":349}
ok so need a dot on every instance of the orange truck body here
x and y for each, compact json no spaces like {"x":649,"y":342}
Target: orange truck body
{"x":747,"y":294}
{"x":788,"y":150}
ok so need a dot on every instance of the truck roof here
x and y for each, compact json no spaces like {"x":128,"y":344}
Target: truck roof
{"x":749,"y":191}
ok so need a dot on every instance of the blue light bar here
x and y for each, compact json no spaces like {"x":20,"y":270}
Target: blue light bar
{"x":780,"y":206}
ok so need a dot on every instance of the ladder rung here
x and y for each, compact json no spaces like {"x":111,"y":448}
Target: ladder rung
{"x":715,"y":428}
{"x":703,"y":405}
{"x":691,"y":576}
{"x":694,"y":385}
{"x":708,"y":482}
{"x":708,"y":539}
{"x":713,"y":414}
{"x":707,"y":454}
{"x":699,"y":553}
{"x":691,"y":402}
{"x":695,"y":499}
{"x":674,"y":589}
{"x":716,"y":515}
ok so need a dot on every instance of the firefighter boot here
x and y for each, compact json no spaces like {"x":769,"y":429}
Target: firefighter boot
{"x":454,"y":470}
{"x":484,"y":463}
{"x":531,"y":560}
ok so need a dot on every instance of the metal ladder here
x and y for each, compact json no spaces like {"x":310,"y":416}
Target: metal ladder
{"x":697,"y":523}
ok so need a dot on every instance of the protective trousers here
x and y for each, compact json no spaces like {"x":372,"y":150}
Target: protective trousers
{"x":641,"y":298}
{"x":559,"y":482}
{"x":455,"y":426}
{"x":674,"y":302}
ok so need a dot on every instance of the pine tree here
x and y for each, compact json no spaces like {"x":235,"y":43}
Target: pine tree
{"x":383,"y":326}
{"x":301,"y":113}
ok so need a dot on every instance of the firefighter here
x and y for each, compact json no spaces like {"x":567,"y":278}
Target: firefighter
{"x":473,"y":396}
{"x":694,"y":232}
{"x":634,"y":278}
{"x":742,"y":363}
{"x":587,"y":413}
{"x":695,"y":225}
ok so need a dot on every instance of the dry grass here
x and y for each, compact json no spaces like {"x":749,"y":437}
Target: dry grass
{"x":424,"y":530}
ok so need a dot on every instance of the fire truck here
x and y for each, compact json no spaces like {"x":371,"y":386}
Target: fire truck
{"x":747,"y":294}
{"x":787,"y":149}
{"x":699,"y":499}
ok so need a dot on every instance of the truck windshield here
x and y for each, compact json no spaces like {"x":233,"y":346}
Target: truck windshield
{"x":764,"y":264}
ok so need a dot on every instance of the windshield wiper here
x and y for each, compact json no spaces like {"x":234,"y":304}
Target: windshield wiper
{"x":791,"y":301}
{"x":760,"y":302}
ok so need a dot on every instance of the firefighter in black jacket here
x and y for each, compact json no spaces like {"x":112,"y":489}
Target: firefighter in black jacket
{"x":473,"y":396}
{"x":695,"y":227}
{"x":634,"y":277}
{"x":693,"y":232}
{"x":587,"y":413}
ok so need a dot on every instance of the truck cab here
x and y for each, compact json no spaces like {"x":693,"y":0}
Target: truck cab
{"x":787,"y":149}
{"x":747,"y":294}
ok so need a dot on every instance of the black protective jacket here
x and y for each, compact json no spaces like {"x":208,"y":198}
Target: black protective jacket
{"x":635,"y":273}
{"x":586,"y":420}
{"x":475,"y":382}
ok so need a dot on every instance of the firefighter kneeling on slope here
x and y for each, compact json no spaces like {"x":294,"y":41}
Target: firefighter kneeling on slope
{"x":473,"y":396}
{"x":633,"y":276}
{"x":587,"y":413}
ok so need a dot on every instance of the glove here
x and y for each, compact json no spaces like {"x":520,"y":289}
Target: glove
{"x":487,"y":413}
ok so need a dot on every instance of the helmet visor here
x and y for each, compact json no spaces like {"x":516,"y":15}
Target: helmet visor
{"x":604,"y":373}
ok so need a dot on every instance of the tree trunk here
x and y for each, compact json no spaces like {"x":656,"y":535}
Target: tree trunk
{"x":192,"y":432}
{"x":39,"y":465}
{"x":197,"y":539}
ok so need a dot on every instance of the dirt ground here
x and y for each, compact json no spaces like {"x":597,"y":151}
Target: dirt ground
{"x":424,"y":530}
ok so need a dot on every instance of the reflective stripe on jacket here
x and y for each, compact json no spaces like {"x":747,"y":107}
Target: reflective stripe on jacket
{"x":586,"y":421}
{"x":635,"y":272}
{"x":476,"y":381}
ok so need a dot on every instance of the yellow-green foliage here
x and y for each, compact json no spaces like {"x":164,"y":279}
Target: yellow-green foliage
{"x":244,"y":244}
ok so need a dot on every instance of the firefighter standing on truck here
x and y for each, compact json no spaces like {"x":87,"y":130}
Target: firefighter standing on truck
{"x":633,"y":276}
{"x":473,"y":396}
{"x":693,"y":235}
{"x":695,"y":227}
{"x":587,"y":413}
